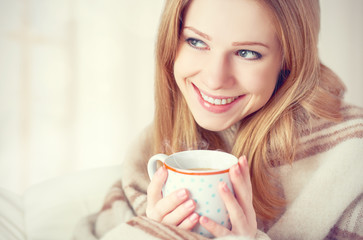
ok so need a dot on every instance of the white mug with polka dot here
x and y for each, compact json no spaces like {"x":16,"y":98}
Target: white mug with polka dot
{"x":199,"y":171}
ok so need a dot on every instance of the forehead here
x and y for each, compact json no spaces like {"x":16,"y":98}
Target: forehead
{"x":231,"y":19}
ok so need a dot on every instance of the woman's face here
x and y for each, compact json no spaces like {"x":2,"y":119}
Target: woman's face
{"x":228,"y":60}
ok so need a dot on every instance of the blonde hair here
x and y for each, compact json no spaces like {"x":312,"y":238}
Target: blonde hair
{"x":269,"y":136}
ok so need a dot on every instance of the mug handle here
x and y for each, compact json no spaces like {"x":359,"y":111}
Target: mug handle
{"x":152,"y":164}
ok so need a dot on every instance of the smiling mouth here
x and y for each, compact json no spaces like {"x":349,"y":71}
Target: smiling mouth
{"x":218,"y":101}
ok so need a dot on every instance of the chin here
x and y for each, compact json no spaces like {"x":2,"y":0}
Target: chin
{"x":214,"y":126}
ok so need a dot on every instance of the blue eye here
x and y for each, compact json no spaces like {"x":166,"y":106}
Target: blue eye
{"x":195,"y":43}
{"x":250,"y":55}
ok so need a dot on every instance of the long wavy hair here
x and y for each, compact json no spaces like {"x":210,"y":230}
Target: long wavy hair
{"x":268,"y":137}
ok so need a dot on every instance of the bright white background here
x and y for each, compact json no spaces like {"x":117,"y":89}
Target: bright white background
{"x":76,"y":79}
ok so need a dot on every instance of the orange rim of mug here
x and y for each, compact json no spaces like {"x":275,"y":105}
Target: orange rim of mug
{"x":196,"y":173}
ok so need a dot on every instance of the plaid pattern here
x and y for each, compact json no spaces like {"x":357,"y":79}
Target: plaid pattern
{"x":350,"y":224}
{"x":123,"y":213}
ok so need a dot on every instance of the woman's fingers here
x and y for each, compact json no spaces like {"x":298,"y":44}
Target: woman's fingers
{"x":213,"y":227}
{"x":154,"y":190}
{"x":180,"y":213}
{"x":167,"y":204}
{"x":157,"y":206}
{"x":236,"y":213}
{"x":240,"y":179}
{"x":241,"y":182}
{"x":242,"y":162}
{"x":189,"y":222}
{"x":241,"y":225}
{"x":174,"y":209}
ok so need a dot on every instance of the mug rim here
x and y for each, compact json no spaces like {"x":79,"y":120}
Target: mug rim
{"x":204,"y":172}
{"x":191,"y":172}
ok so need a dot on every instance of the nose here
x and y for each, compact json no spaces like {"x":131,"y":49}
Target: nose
{"x":218,"y":72}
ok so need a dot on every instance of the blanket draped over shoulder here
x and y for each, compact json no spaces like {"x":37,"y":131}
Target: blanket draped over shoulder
{"x":323,"y":189}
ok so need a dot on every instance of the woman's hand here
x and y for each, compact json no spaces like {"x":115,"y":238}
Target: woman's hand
{"x":241,"y":212}
{"x":175,"y":209}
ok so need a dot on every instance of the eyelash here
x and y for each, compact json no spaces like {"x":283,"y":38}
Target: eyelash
{"x":193,"y":43}
{"x":244,"y":51}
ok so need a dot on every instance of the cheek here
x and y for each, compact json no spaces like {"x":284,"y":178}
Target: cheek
{"x":186,"y":64}
{"x":261,"y":80}
{"x":259,"y":83}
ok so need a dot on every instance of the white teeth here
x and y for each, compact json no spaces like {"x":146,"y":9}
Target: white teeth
{"x":218,"y":101}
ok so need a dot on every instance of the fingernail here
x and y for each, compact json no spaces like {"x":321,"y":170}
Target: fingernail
{"x":189,"y":204}
{"x":237,"y":170}
{"x":193,"y":217}
{"x":244,"y":160}
{"x":160,"y":171}
{"x":204,"y":220}
{"x":225,"y":187}
{"x":182,"y":194}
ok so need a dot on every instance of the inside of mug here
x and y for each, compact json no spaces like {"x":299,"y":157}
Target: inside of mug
{"x":201,"y":160}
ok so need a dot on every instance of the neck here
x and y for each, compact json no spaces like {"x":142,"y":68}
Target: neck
{"x":229,"y":135}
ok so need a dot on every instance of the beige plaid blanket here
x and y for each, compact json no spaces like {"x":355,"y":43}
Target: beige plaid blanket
{"x":323,"y":188}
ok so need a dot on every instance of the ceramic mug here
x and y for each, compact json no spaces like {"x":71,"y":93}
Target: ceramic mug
{"x":199,"y":171}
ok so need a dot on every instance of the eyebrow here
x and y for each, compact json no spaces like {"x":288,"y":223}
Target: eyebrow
{"x":250,"y":44}
{"x":206,"y":36}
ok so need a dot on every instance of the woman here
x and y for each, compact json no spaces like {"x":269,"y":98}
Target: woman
{"x":244,"y":77}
